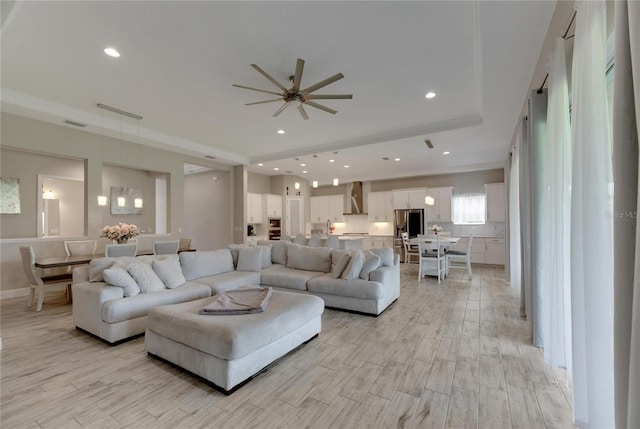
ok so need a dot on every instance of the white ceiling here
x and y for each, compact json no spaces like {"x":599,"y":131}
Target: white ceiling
{"x":179,"y":60}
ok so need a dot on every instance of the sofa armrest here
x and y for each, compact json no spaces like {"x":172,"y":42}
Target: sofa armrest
{"x":88,"y":299}
{"x":80,"y":274}
{"x":390,"y":279}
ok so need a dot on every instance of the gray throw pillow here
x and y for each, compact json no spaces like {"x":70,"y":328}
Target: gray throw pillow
{"x":279,"y":252}
{"x":386,"y":255}
{"x":355,"y":266}
{"x":338,"y":269}
{"x":371,"y":263}
{"x":98,"y":265}
{"x":118,"y":276}
{"x":169,"y":272}
{"x":234,"y":248}
{"x":266,"y":255}
{"x":250,"y":259}
{"x":146,"y":278}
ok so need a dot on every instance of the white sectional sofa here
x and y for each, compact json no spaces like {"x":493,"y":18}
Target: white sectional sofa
{"x":103,"y":310}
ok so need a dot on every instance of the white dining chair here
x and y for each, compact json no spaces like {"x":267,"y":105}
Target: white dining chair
{"x":166,"y":247}
{"x":185,"y":243}
{"x":36,"y":280}
{"x":300,"y":239}
{"x":432,"y":259}
{"x":409,"y":250}
{"x":115,"y":250}
{"x":461,"y":256}
{"x":315,"y":241}
{"x":80,"y":247}
{"x":333,"y":242}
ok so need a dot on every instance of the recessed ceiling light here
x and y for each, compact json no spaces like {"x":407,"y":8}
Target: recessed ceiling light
{"x":446,"y":153}
{"x":346,"y":166}
{"x":260,"y":165}
{"x":280,"y":131}
{"x":430,"y":94}
{"x":304,"y":171}
{"x":397,"y":159}
{"x":303,"y":165}
{"x":332,"y":160}
{"x":112,"y":52}
{"x":276,"y":168}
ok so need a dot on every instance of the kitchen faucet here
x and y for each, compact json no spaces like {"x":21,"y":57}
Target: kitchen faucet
{"x":328,"y":226}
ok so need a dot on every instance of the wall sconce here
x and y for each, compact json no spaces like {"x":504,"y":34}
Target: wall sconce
{"x":296,"y":185}
{"x":137,"y":203}
{"x":121,"y":202}
{"x":315,"y":184}
{"x":102,"y":200}
{"x":335,"y":182}
{"x":428,"y":200}
{"x":48,"y":195}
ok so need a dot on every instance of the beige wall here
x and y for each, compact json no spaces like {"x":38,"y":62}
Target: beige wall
{"x":258,"y":183}
{"x":461,"y":182}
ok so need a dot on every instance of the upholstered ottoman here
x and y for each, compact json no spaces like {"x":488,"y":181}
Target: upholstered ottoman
{"x":229,"y":350}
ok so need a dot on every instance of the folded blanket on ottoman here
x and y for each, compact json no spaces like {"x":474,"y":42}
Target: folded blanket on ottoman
{"x":239,"y":301}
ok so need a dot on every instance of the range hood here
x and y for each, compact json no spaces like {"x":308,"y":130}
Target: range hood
{"x":355,"y":199}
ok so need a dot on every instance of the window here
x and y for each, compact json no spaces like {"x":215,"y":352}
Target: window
{"x":468,"y":209}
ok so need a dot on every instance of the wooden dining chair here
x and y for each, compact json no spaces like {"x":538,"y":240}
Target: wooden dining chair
{"x":165,"y":247}
{"x":432,"y":259}
{"x":36,"y":280}
{"x":115,"y":250}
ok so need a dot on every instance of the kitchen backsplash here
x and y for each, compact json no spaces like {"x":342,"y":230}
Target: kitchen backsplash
{"x":361,"y":224}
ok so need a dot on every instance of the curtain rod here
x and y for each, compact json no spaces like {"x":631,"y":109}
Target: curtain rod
{"x":121,"y":112}
{"x":564,"y":37}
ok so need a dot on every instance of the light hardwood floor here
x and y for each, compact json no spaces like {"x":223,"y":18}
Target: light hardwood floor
{"x":455,"y":355}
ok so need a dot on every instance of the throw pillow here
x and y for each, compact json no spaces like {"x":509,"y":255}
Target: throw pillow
{"x":309,"y":258}
{"x":118,"y":276}
{"x":279,"y":252}
{"x":97,"y":266}
{"x":338,"y":269}
{"x":169,"y":272}
{"x":146,"y":278}
{"x":234,"y":248}
{"x":386,"y":255}
{"x":355,"y":266}
{"x":337,"y":254}
{"x":371,"y":263}
{"x":207,"y":263}
{"x":250,"y":259}
{"x":266,"y":255}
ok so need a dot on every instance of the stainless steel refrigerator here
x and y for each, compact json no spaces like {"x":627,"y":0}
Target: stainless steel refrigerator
{"x":410,"y":221}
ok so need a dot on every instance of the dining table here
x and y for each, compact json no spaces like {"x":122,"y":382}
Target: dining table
{"x":70,"y":261}
{"x":445,"y":242}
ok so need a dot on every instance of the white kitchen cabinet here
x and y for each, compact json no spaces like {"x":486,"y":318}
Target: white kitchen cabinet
{"x":409,"y":199}
{"x":380,"y":207}
{"x":336,"y":208}
{"x":440,"y":211}
{"x":272,"y":205}
{"x":319,"y":210}
{"x":254,"y":208}
{"x":496,"y":202}
{"x":494,"y":251}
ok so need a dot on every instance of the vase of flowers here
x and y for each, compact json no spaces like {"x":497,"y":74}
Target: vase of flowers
{"x":435,"y":229}
{"x":120,"y":233}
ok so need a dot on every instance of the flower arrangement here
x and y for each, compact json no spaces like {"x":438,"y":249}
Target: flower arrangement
{"x":435,"y":229}
{"x":121,"y":232}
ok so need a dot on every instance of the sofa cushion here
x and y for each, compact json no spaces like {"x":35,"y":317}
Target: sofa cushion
{"x":371,"y":263}
{"x":288,"y":278}
{"x":207,"y":263}
{"x":355,"y":266}
{"x":146,"y":278}
{"x":337,"y":254}
{"x":121,"y":309}
{"x":98,"y":265}
{"x":118,"y":275}
{"x":338,"y":269}
{"x":309,"y":258}
{"x":357,"y":288}
{"x":235,"y":251}
{"x":228,"y":281}
{"x":169,"y":271}
{"x":266,"y":254}
{"x":385,"y":254}
{"x":250,"y":259}
{"x":279,"y":251}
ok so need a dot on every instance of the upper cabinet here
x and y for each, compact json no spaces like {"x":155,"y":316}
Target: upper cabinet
{"x":440,"y":211}
{"x":327,"y":207}
{"x":380,"y":207}
{"x":272,"y":205}
{"x":496,"y":202}
{"x":254,"y":208}
{"x":409,"y":199}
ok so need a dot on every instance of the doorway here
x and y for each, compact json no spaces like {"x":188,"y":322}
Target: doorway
{"x":294,"y":222}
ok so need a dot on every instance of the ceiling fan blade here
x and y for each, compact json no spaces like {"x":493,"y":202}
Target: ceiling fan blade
{"x":329,"y":97}
{"x":303,"y":112}
{"x":265,"y":74}
{"x":323,"y":83}
{"x":256,"y":89}
{"x":262,"y":102}
{"x":298,"y":76}
{"x":321,"y":107}
{"x":284,"y":106}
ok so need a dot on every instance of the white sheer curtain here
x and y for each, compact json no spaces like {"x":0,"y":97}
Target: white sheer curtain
{"x":556,"y":245}
{"x":515,"y":262}
{"x":626,"y":134}
{"x":591,"y":223}
{"x":468,"y":208}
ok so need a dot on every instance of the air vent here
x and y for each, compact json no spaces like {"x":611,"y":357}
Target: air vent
{"x":210,"y":157}
{"x":428,"y":143}
{"x":289,"y":172}
{"x":74,"y":123}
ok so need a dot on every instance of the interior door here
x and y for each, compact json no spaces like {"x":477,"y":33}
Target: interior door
{"x":295,"y":216}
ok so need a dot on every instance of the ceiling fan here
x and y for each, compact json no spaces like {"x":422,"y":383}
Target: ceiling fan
{"x":302,"y":96}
